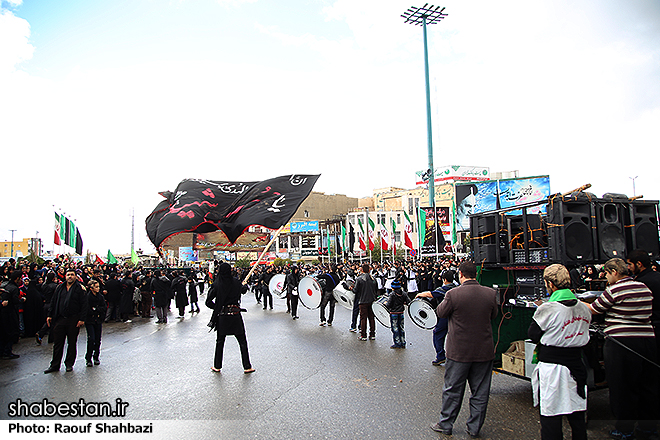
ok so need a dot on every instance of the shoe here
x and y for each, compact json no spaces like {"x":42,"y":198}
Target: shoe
{"x":51,"y":370}
{"x":322,"y":324}
{"x":69,"y":369}
{"x":440,"y":362}
{"x":471,"y":434}
{"x":371,"y":338}
{"x":89,"y":364}
{"x":620,"y":435}
{"x":395,"y":346}
{"x":295,"y":317}
{"x":352,"y":330}
{"x":360,"y":338}
{"x":329,"y":324}
{"x":38,"y":339}
{"x":215,"y":370}
{"x":437,"y":428}
{"x":97,"y":362}
{"x":249,"y":370}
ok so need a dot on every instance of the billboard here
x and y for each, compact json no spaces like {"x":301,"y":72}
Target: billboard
{"x":473,"y":198}
{"x":455,"y":173}
{"x":186,"y":253}
{"x":305,"y":226}
{"x":427,"y":231}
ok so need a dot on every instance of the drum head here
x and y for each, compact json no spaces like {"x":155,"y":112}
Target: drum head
{"x":421,"y":313}
{"x":276,"y":285}
{"x":381,"y":312}
{"x":343,"y":296}
{"x":310,"y":293}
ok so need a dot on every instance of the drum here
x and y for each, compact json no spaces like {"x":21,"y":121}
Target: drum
{"x":344,"y":295}
{"x":310,"y":292}
{"x":422,"y":314}
{"x":276,"y":286}
{"x":381,"y":312}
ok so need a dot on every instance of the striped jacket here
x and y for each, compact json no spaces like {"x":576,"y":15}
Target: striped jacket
{"x":627,"y":305}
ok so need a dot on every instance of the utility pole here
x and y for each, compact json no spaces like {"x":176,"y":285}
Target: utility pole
{"x":12,"y":242}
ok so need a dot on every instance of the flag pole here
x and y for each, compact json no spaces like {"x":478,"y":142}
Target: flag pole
{"x":247,"y":277}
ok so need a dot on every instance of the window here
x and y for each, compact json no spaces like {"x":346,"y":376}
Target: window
{"x":397,"y":236}
{"x":306,"y":213}
{"x":398,"y":219}
{"x":380,"y":218}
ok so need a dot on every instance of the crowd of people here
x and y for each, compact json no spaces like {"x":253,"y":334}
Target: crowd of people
{"x":60,"y":297}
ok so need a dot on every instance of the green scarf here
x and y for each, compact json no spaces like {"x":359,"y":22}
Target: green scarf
{"x":562,"y":295}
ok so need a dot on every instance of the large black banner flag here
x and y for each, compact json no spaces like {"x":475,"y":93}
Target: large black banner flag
{"x":204,"y":206}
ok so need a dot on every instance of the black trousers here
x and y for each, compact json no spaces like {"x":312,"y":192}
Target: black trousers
{"x":64,"y":329}
{"x":632,"y":382}
{"x":327,"y":298}
{"x":220,"y":347}
{"x":93,"y":341}
{"x":551,"y":426}
{"x":294,"y":305}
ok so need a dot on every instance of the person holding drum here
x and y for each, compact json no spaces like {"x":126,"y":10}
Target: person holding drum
{"x":440,"y":329}
{"x":331,"y":280}
{"x":396,"y":303}
{"x":291,"y":285}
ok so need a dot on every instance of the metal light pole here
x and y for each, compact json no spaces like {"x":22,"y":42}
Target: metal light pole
{"x":12,"y":242}
{"x":423,"y":16}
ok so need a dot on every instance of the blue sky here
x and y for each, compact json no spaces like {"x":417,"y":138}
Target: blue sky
{"x":103,"y":104}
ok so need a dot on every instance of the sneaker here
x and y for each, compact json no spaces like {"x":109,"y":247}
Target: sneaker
{"x":329,"y":324}
{"x":352,"y":330}
{"x":69,"y":369}
{"x":97,"y":362}
{"x":620,"y":435}
{"x":322,"y":324}
{"x":440,"y":362}
{"x":360,"y":338}
{"x":395,"y":346}
{"x":372,"y":338}
{"x":89,"y":364}
{"x":38,"y":339}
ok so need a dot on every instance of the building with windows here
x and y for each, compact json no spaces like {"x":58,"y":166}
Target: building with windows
{"x":21,"y":248}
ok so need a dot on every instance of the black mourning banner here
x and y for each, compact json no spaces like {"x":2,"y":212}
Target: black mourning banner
{"x":205,"y":206}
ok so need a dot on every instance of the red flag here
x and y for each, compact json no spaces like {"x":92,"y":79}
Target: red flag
{"x":98,"y":259}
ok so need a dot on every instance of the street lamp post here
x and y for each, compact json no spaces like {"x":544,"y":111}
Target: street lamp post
{"x":12,"y":242}
{"x":423,"y":16}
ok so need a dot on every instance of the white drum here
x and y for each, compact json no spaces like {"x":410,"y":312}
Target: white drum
{"x":381,"y":312}
{"x":276,"y":285}
{"x":310,"y":292}
{"x":422,"y":314}
{"x":344,"y":295}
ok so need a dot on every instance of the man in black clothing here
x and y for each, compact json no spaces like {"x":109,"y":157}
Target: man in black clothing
{"x":68,"y":311}
{"x":9,"y":297}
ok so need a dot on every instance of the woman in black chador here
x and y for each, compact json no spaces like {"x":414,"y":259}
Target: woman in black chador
{"x":227,"y":320}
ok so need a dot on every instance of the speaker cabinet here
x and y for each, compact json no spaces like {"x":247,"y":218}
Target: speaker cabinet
{"x":642,"y":228}
{"x":571,"y":231}
{"x":487,"y":234}
{"x":610,"y":224}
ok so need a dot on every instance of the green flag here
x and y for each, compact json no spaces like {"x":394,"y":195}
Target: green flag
{"x":134,"y":257}
{"x":111,"y":258}
{"x":422,"y":227}
{"x":343,"y":237}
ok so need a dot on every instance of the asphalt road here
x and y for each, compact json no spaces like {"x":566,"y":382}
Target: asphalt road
{"x":311,"y":382}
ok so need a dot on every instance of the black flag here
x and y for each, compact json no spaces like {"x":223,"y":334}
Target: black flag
{"x":351,"y":238}
{"x":203,"y":206}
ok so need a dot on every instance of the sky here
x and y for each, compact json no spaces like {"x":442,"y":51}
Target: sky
{"x":104,"y":104}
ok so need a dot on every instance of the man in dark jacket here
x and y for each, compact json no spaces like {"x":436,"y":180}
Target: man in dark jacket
{"x":68,"y":312}
{"x":160,"y":285}
{"x":469,"y":348}
{"x":365,"y":292}
{"x":178,"y":286}
{"x":9,"y":315}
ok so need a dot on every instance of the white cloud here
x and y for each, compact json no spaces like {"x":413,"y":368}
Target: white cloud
{"x":14,"y":41}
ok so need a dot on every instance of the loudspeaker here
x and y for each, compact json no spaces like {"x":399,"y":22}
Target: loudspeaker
{"x":610,"y":223}
{"x":486,"y":232}
{"x":642,"y":228}
{"x":571,"y":231}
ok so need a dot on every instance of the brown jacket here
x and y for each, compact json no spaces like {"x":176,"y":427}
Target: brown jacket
{"x":470,"y":308}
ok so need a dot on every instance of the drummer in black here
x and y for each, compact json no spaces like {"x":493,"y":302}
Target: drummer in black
{"x":330,"y":281}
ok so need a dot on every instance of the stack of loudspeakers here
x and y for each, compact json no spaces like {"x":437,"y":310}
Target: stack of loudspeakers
{"x":578,"y":229}
{"x":583,"y":229}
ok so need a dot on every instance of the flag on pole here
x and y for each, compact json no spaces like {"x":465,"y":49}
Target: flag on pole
{"x":363,"y":246}
{"x":384,"y":237}
{"x":372,"y":234}
{"x":343,"y":238}
{"x":351,"y":237}
{"x":99,"y":260}
{"x":111,"y":258}
{"x":134,"y":257}
{"x":393,"y":238}
{"x":57,"y":239}
{"x":327,"y":233}
{"x":407,"y":231}
{"x":422,"y":228}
